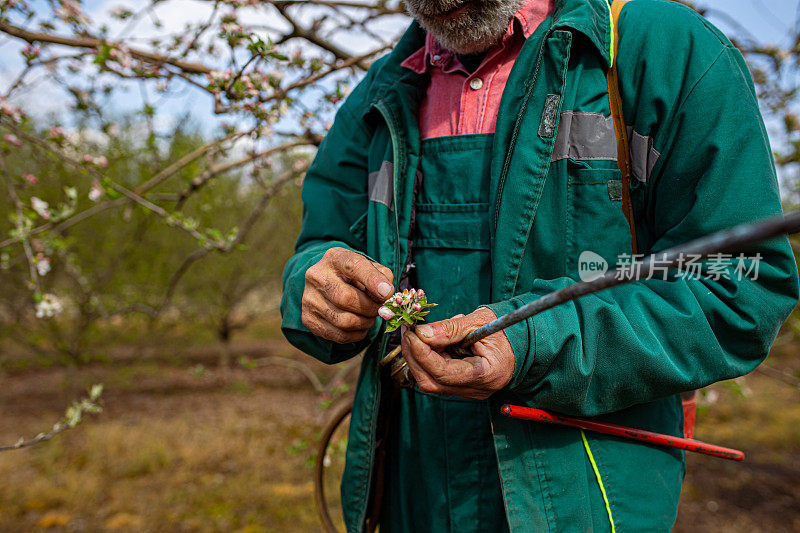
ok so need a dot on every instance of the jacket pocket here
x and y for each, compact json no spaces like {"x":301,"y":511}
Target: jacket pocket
{"x":453,"y":226}
{"x":359,"y":228}
{"x":596,"y":225}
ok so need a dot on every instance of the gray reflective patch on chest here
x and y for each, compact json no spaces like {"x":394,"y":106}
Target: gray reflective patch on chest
{"x":381,"y":187}
{"x":615,"y":190}
{"x":547,"y":127}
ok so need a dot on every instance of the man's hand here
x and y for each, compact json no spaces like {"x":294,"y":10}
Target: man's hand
{"x":342,"y":295}
{"x":478,"y":377}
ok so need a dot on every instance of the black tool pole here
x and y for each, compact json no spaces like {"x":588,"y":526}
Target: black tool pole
{"x":724,"y":241}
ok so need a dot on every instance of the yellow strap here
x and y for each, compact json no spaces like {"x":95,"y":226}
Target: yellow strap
{"x":599,"y":481}
{"x":623,"y":146}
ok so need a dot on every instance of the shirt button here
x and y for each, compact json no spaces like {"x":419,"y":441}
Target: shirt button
{"x":436,"y":58}
{"x":476,"y":84}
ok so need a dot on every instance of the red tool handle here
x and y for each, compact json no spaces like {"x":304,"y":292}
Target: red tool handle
{"x":691,"y":445}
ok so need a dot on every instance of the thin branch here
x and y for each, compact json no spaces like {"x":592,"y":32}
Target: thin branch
{"x":166,"y":173}
{"x":94,"y":43}
{"x":778,"y":374}
{"x":24,"y":237}
{"x":311,"y":36}
{"x":271,"y":190}
{"x":71,"y":221}
{"x":117,"y":187}
{"x":72,"y":418}
{"x":283,"y":92}
{"x":198,"y":182}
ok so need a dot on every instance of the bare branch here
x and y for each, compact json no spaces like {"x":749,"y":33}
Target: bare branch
{"x":94,"y":43}
{"x":271,"y":190}
{"x":198,"y":182}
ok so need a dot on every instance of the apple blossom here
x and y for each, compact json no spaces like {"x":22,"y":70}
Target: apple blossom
{"x":41,"y":207}
{"x":12,"y":140}
{"x":42,"y":264}
{"x":48,"y":307}
{"x":406,"y":307}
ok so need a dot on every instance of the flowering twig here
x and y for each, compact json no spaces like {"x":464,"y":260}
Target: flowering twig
{"x":406,"y":307}
{"x":72,"y":417}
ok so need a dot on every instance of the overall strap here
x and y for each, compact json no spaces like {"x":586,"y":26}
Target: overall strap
{"x":623,"y":146}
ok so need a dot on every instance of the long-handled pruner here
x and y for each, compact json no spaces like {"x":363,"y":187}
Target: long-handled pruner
{"x":650,"y":437}
{"x":723,"y":241}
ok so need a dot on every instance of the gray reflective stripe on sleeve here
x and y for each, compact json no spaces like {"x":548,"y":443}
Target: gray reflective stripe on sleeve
{"x":643,"y":156}
{"x":380,"y":185}
{"x":591,"y":137}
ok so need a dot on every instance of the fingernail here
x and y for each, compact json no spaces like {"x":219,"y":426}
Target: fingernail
{"x":385,"y":313}
{"x":384,"y":289}
{"x":424,"y":331}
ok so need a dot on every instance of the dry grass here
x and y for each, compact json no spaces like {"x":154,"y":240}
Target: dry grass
{"x":174,"y":451}
{"x":184,"y":449}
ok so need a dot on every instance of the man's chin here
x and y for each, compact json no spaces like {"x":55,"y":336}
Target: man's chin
{"x":457,"y":35}
{"x":465,"y":46}
{"x":468,"y":28}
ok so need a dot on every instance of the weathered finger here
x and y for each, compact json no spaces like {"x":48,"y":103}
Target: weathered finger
{"x":321,"y":328}
{"x":423,"y":380}
{"x":445,"y":332}
{"x":448,"y":332}
{"x":349,"y":298}
{"x":386,"y":271}
{"x":338,"y":317}
{"x":357,"y":268}
{"x":427,"y":384}
{"x":446,"y":371}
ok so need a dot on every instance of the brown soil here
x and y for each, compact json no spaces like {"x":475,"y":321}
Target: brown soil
{"x":195,"y":448}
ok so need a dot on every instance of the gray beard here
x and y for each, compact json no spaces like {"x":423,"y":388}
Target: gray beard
{"x":482,"y":25}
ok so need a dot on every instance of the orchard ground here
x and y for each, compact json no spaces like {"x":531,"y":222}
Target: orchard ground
{"x":185,"y":445}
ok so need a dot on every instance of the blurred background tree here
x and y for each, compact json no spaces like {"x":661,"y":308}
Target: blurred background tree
{"x":151,"y":158}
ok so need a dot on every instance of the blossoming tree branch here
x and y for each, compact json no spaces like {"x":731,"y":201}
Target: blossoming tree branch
{"x":273,"y":70}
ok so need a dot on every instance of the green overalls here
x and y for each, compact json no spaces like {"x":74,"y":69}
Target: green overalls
{"x":442,"y":470}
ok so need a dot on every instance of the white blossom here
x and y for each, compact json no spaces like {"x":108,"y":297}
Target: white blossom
{"x":41,"y":207}
{"x":42,"y":264}
{"x":48,"y":307}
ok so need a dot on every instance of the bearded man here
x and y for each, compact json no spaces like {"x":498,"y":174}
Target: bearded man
{"x":478,"y":161}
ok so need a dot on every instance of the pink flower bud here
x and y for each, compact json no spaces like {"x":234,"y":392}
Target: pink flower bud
{"x":30,"y":178}
{"x":416,"y":307}
{"x":398,"y":299}
{"x":420,"y":293}
{"x":12,"y":139}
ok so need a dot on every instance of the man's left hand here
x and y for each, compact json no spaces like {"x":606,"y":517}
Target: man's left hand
{"x":487,"y":371}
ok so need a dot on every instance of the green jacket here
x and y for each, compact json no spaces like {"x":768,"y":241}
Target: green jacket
{"x":702,"y":162}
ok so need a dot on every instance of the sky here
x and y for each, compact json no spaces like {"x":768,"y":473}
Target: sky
{"x":768,"y":20}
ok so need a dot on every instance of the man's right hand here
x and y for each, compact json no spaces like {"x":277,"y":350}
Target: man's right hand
{"x":342,"y":295}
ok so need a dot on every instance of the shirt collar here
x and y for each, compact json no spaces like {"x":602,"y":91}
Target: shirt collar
{"x":526,"y":20}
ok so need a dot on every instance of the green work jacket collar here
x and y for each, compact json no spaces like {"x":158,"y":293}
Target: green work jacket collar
{"x":591,"y":18}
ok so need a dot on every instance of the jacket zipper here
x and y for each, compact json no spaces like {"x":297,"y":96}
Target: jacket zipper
{"x":387,"y":116}
{"x":517,"y":125}
{"x":390,"y":123}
